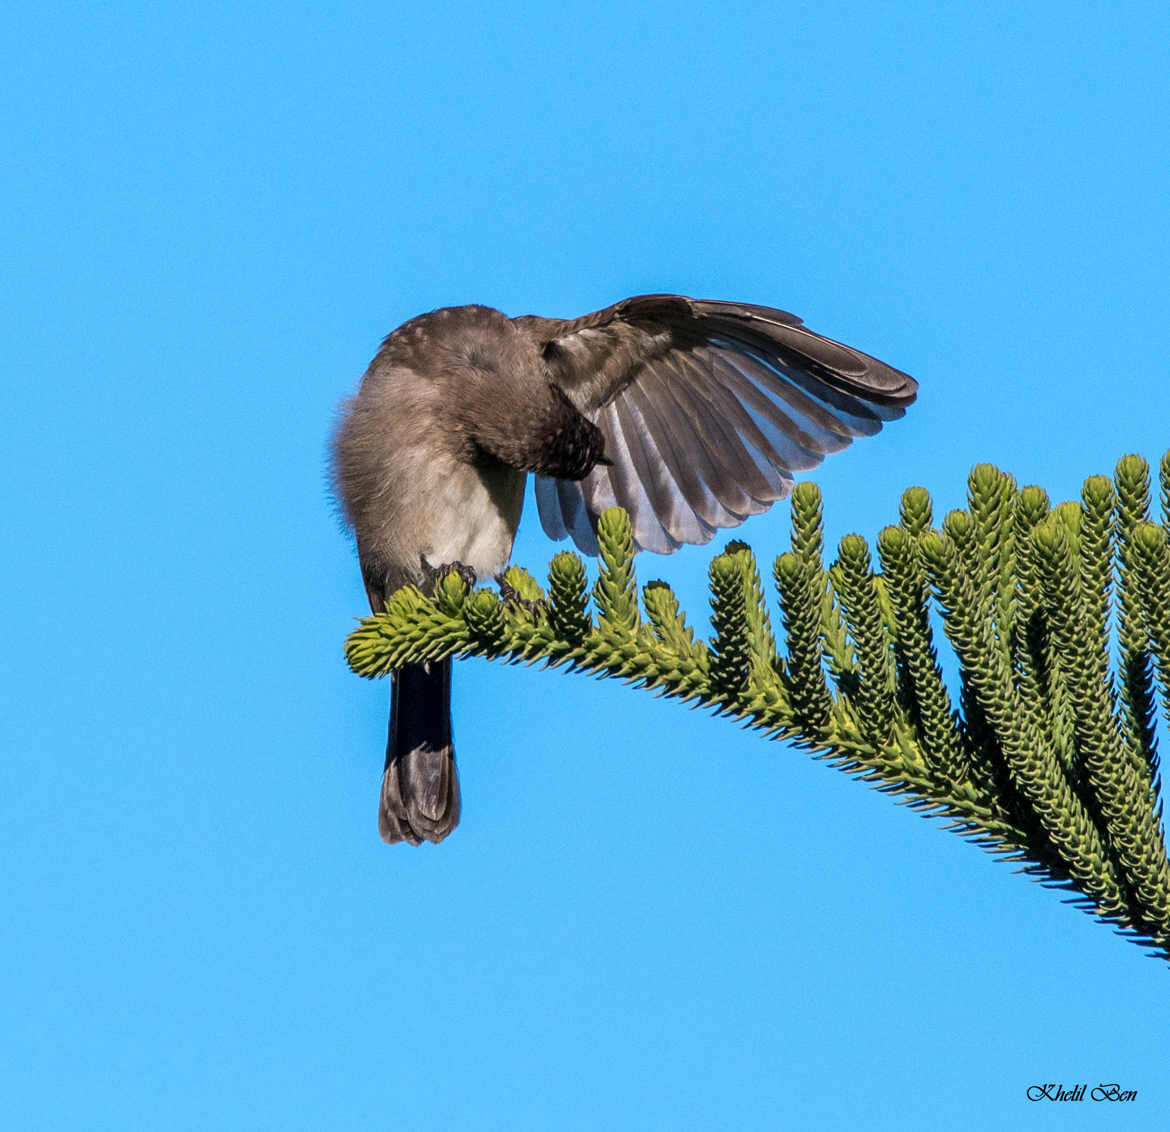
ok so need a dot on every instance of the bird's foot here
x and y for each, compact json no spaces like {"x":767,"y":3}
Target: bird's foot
{"x":435,"y":573}
{"x":511,"y":596}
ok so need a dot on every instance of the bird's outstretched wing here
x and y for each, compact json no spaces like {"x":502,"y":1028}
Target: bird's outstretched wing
{"x":707,"y":407}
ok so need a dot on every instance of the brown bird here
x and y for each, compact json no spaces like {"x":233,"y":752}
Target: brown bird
{"x":691,"y":414}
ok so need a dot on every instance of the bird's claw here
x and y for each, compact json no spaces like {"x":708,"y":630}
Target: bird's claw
{"x":435,"y":573}
{"x":511,"y":596}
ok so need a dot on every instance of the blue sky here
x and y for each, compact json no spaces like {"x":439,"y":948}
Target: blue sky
{"x":648,"y":918}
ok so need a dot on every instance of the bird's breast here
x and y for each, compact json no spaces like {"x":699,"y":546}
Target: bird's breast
{"x":470,"y":515}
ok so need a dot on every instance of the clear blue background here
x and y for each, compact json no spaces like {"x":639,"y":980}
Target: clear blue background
{"x":648,"y":918}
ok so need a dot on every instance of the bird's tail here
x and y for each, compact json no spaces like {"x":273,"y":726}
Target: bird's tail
{"x":420,"y":789}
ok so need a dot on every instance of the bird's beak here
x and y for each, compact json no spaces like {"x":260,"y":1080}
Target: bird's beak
{"x":605,"y":460}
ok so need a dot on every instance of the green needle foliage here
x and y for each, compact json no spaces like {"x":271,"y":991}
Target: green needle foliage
{"x":1059,"y":619}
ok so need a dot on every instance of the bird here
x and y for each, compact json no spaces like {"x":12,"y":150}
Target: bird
{"x":692,"y":414}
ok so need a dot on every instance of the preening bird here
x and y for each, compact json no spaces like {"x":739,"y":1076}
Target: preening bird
{"x":692,"y":414}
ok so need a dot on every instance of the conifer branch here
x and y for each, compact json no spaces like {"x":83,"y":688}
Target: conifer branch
{"x":1050,"y":759}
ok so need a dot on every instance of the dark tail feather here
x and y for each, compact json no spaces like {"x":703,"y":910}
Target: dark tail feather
{"x":420,"y":789}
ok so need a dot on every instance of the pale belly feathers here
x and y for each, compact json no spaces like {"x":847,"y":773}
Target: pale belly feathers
{"x":457,"y":513}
